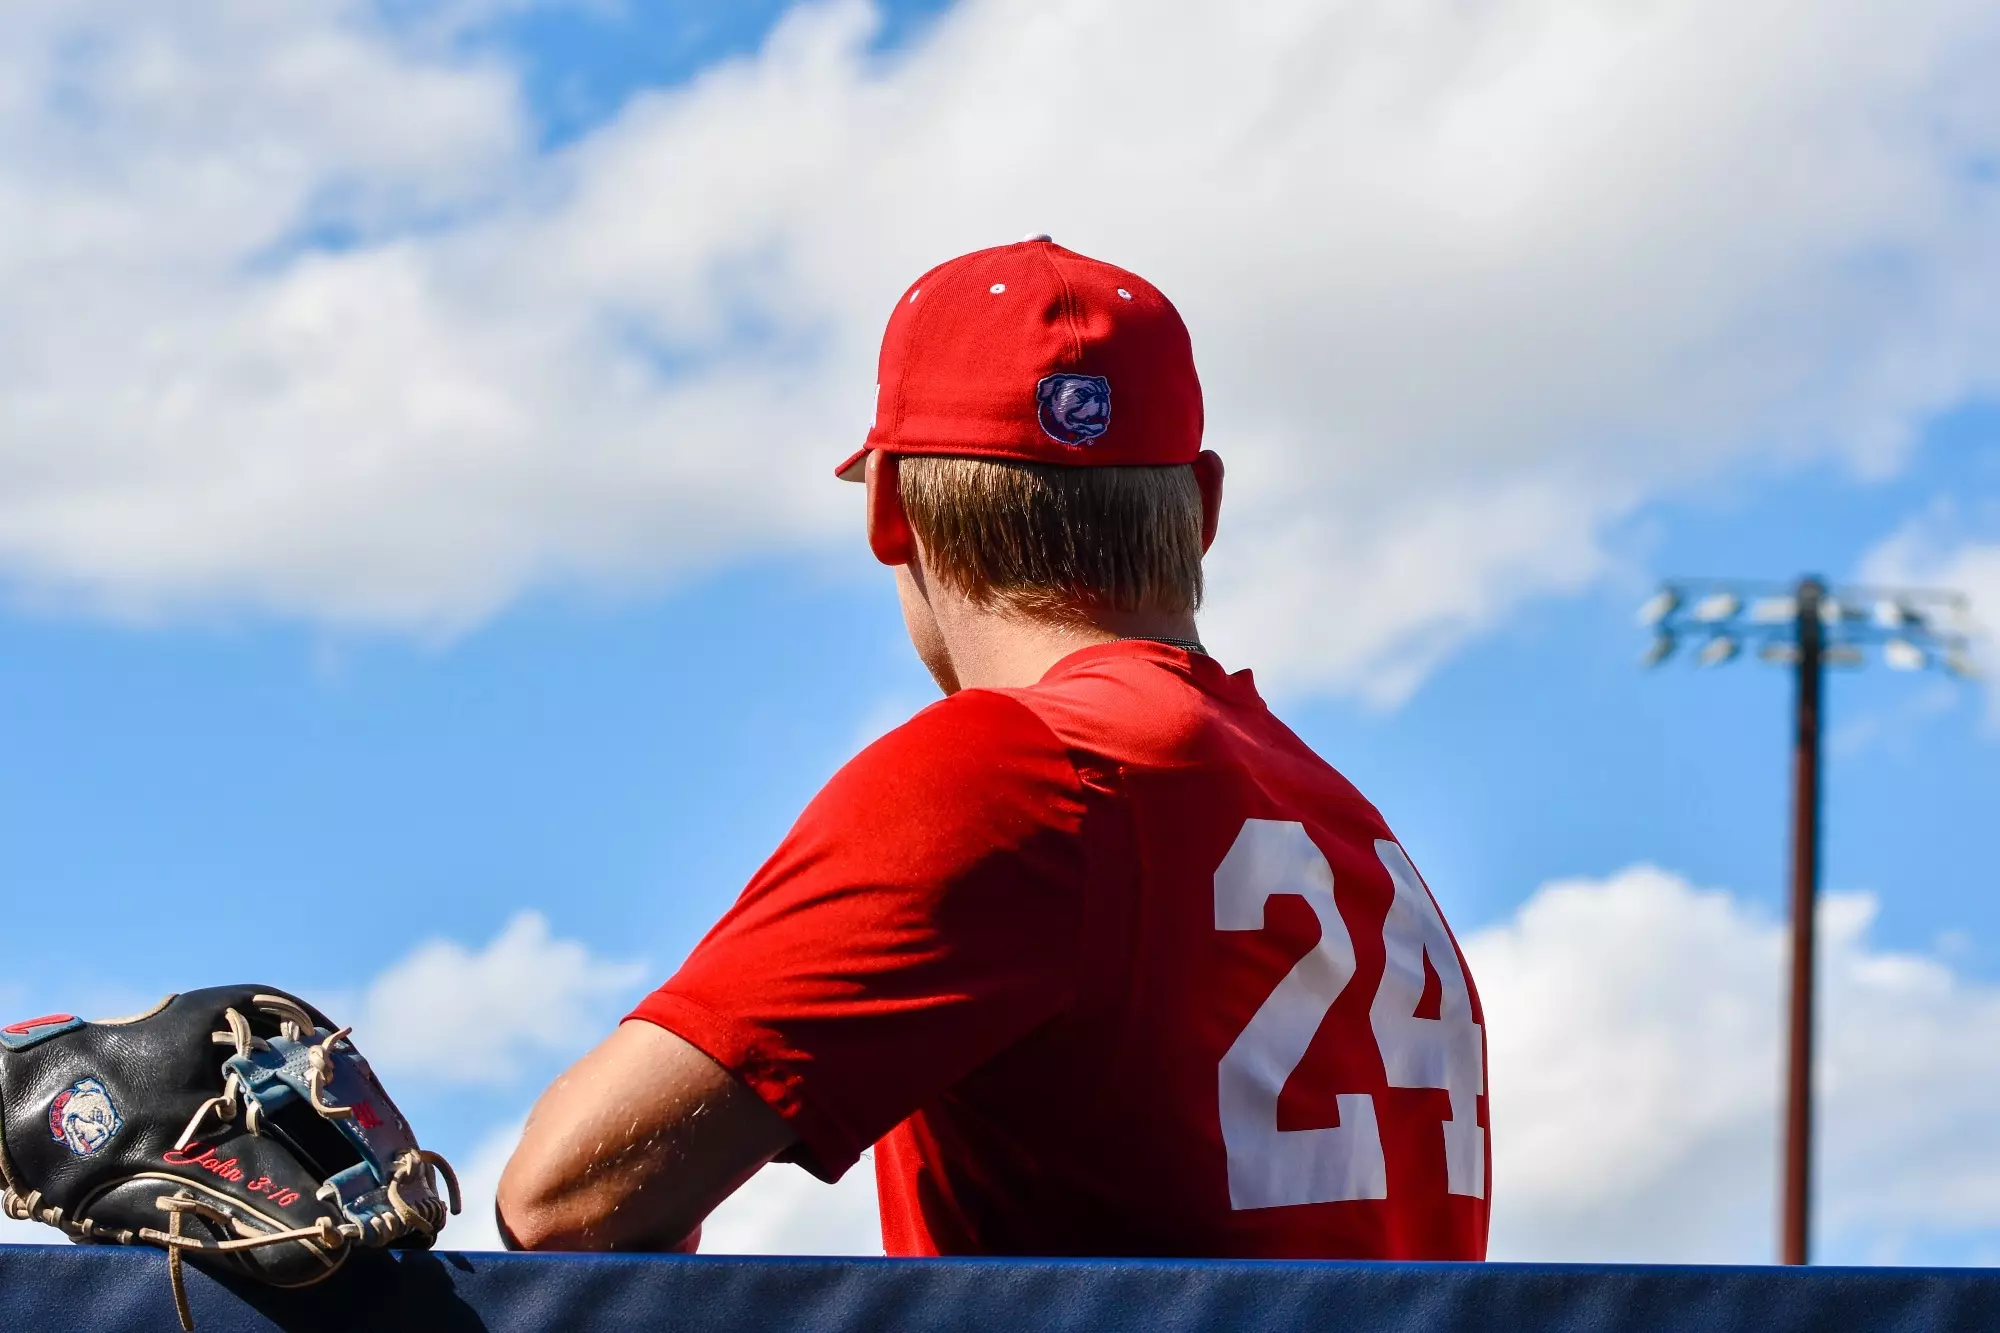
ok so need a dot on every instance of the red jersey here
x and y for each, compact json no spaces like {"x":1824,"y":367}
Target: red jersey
{"x":1111,"y":965}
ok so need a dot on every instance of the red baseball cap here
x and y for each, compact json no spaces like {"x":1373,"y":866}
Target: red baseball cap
{"x":1037,"y":353}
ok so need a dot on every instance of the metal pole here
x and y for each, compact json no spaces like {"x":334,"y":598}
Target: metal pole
{"x":1805,"y":892}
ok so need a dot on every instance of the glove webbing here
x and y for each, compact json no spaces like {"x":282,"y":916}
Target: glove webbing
{"x":297,"y":1025}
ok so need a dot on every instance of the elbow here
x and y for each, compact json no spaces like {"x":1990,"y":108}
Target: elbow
{"x":526,"y":1209}
{"x":538,"y":1206}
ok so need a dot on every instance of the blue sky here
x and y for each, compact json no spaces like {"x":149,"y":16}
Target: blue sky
{"x":624,"y":765}
{"x":303,"y":763}
{"x":580,"y":63}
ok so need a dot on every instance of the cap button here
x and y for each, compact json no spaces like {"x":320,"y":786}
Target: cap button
{"x":1037,"y":236}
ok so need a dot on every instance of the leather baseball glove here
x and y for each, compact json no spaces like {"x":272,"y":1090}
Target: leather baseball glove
{"x":235,"y":1126}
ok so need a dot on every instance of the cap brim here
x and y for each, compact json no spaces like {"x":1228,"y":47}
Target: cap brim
{"x":855,"y":468}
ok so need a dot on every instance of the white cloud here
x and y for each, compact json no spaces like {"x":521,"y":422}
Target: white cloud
{"x":1937,"y":549}
{"x":475,"y":1228}
{"x":1467,"y":284}
{"x":454,"y":1015}
{"x":1633,"y":1027}
{"x":785,"y":1210}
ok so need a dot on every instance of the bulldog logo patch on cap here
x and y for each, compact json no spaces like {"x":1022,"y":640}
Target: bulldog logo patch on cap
{"x":1074,"y":409}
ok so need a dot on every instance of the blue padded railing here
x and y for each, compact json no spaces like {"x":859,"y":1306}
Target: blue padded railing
{"x":75,"y":1288}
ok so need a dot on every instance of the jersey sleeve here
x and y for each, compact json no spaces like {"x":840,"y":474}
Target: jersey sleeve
{"x":922,"y":916}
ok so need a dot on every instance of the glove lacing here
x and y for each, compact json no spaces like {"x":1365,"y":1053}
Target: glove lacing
{"x":426,"y":1216}
{"x":297,"y":1026}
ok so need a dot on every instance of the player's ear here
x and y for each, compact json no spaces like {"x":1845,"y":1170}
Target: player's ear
{"x":889,"y":535}
{"x":1208,"y":476}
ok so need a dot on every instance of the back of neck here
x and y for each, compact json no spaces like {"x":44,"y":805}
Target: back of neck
{"x":992,"y":648}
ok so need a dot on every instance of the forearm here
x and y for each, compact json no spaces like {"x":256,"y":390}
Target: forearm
{"x":550,"y":1234}
{"x":568,"y":1188}
{"x":633,"y":1147}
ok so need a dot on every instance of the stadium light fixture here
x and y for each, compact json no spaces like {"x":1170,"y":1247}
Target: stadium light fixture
{"x":1902,"y":655}
{"x":1717,"y":607}
{"x":1894,"y":615}
{"x":1774,"y":610}
{"x":1659,"y":606}
{"x":1809,"y":628}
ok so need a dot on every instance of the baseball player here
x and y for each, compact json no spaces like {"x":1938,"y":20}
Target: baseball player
{"x":1097,"y":955}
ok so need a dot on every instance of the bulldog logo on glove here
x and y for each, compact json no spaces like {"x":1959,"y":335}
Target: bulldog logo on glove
{"x":84,"y":1117}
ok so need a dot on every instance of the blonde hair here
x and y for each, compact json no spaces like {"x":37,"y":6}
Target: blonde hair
{"x":1056,"y":542}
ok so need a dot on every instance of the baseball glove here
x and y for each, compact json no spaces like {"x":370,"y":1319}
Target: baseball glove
{"x":236,"y":1126}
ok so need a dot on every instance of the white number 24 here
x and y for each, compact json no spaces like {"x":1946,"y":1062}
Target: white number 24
{"x":1271,"y":1167}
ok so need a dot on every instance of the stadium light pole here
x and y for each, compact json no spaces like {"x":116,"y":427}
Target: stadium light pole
{"x":1796,"y":1202}
{"x":1808,"y":627}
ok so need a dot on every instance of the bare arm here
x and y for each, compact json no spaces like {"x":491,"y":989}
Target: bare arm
{"x":633,"y":1147}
